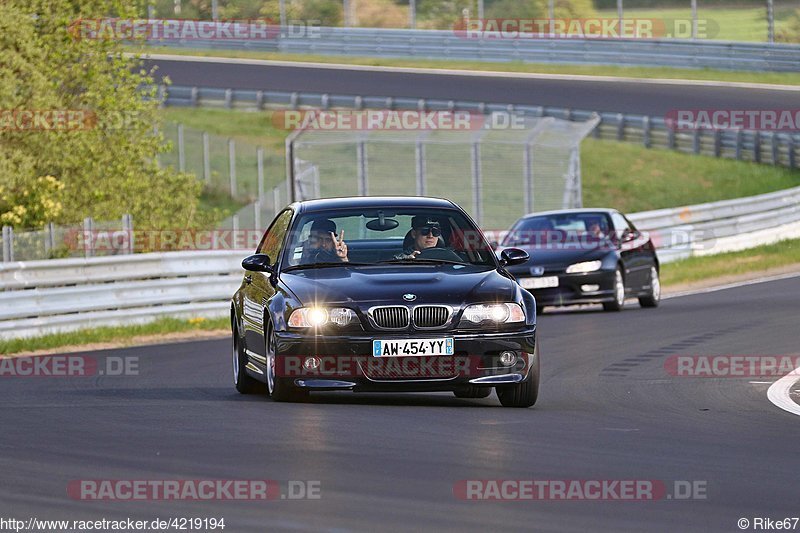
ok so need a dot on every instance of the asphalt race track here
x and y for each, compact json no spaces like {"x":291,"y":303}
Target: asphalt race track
{"x":608,"y":410}
{"x":613,"y":96}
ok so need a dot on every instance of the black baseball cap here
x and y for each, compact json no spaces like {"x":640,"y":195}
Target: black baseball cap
{"x":420,"y":221}
{"x":323,"y":225}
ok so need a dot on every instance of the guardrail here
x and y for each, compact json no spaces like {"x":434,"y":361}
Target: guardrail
{"x":776,"y":148}
{"x":457,"y":45}
{"x":66,"y":294}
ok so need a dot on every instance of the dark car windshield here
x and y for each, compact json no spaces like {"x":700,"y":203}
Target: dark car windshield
{"x":557,"y":228}
{"x":386,"y":236}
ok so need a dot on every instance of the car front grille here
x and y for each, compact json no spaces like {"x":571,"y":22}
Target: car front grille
{"x":391,"y":317}
{"x":431,"y":316}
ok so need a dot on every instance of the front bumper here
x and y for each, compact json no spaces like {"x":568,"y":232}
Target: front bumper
{"x":347,"y":363}
{"x":570,"y":290}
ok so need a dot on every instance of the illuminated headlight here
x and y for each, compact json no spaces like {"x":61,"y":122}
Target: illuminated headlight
{"x":314,"y":317}
{"x":496,"y":313}
{"x":586,"y":266}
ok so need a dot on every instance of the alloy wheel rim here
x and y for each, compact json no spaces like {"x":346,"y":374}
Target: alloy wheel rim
{"x":620,"y":289}
{"x":655,"y":284}
{"x":235,"y":362}
{"x":270,"y":366}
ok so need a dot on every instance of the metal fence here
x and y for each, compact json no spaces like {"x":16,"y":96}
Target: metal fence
{"x":775,"y":148}
{"x":495,"y":173}
{"x":456,"y":45}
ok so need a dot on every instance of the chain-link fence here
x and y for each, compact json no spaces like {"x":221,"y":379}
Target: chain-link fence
{"x":496,"y":174}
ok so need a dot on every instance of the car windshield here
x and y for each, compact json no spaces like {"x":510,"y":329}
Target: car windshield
{"x":391,"y":236}
{"x":558,"y":228}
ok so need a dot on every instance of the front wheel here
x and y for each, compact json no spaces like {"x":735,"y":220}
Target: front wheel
{"x":619,"y":293}
{"x":654,"y":296}
{"x":522,"y":394}
{"x":243,"y":382}
{"x":281,"y":389}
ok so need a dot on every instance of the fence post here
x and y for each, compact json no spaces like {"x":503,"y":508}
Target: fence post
{"x":363,"y":179}
{"x":276,"y":200}
{"x":717,"y":142}
{"x":477,"y":186}
{"x":528,"y":177}
{"x":671,"y":136}
{"x":739,"y":145}
{"x":181,"y":152}
{"x":235,"y":222}
{"x":774,"y":147}
{"x":257,"y":213}
{"x":206,"y":159}
{"x":757,"y":146}
{"x":646,"y":131}
{"x":260,"y":158}
{"x":790,"y":148}
{"x":8,"y":244}
{"x":620,"y":126}
{"x":127,"y":226}
{"x":88,"y":234}
{"x":50,"y":242}
{"x":232,"y":166}
{"x":696,"y":141}
{"x":419,"y":155}
{"x":228,"y":98}
{"x":194,"y":96}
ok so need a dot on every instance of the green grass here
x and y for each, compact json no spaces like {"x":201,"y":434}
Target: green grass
{"x":111,"y":334}
{"x":780,"y":78}
{"x":757,"y":259}
{"x":632,"y":178}
{"x":721,"y":23}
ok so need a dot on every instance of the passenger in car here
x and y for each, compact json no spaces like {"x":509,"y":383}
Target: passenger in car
{"x":425,"y":233}
{"x":323,"y":246}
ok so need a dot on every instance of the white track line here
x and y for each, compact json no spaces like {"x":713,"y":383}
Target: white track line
{"x":716,"y":288}
{"x":778,"y":392}
{"x":470,"y":73}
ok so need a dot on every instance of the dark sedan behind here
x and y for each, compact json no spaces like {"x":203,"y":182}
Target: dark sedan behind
{"x":581,"y":256}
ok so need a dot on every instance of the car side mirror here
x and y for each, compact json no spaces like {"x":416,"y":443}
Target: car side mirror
{"x":513,"y":256}
{"x":629,"y":236}
{"x":257,"y":263}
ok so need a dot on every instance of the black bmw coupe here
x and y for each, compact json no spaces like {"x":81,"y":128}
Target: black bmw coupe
{"x":383,"y":294}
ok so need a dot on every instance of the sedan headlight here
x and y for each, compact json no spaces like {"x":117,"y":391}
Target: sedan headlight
{"x":505,"y":313}
{"x":586,"y":266}
{"x":315,"y":317}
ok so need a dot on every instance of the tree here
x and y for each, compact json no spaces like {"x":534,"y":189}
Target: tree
{"x":103,"y":165}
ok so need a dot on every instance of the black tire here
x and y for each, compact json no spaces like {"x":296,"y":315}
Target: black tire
{"x":280,"y":389}
{"x":654,"y":295}
{"x":471,"y":391}
{"x":619,"y":293}
{"x":522,"y":394}
{"x":243,"y":382}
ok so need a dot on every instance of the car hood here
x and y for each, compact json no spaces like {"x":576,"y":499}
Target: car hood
{"x":368,"y":286}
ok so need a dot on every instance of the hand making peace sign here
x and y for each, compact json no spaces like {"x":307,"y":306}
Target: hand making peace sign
{"x":340,"y":246}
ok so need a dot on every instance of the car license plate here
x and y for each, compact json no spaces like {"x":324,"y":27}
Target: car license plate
{"x":406,"y":347}
{"x":539,"y":283}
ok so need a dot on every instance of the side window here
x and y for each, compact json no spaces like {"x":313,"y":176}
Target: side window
{"x":620,"y":224}
{"x":273,"y":239}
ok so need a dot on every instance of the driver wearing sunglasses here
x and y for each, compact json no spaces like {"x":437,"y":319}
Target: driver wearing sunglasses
{"x":425,"y":233}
